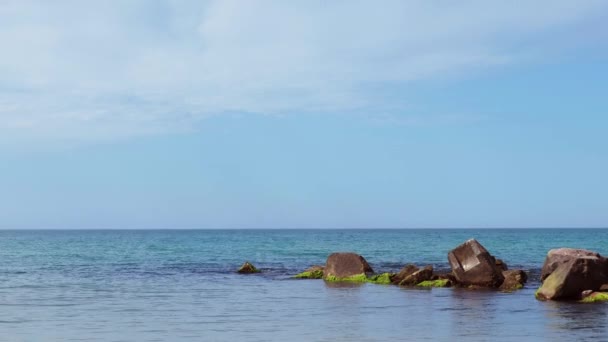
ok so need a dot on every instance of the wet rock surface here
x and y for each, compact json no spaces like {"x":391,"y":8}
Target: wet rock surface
{"x":514,"y":280}
{"x":472,"y":265}
{"x":344,"y":265}
{"x":568,"y":272}
{"x":418,"y":276}
{"x":247,"y":268}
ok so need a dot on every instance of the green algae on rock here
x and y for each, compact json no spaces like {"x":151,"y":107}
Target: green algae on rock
{"x":435,"y":283}
{"x":595,"y":297}
{"x":384,"y":278}
{"x":248,"y":268}
{"x":316,"y":274}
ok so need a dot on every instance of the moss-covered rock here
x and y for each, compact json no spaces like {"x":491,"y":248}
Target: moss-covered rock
{"x":595,"y":297}
{"x":248,"y":268}
{"x":346,"y":265}
{"x":514,"y":280}
{"x":435,"y":283}
{"x":310,"y":274}
{"x":357,"y":278}
{"x":418,"y":276}
{"x":384,"y":278}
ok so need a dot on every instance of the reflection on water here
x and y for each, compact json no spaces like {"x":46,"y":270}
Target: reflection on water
{"x":590,"y":319}
{"x":342,"y":284}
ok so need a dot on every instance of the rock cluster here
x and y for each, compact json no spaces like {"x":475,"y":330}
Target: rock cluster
{"x":567,"y":274}
{"x":472,"y":266}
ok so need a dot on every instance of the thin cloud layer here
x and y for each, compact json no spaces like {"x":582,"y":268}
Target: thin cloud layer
{"x":96,"y":71}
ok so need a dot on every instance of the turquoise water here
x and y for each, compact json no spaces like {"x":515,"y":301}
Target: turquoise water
{"x":180,"y":285}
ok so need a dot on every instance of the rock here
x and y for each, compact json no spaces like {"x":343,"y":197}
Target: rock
{"x":436,"y":283}
{"x":248,"y":268}
{"x":594,"y":297}
{"x":473,"y":265}
{"x":384,"y":279}
{"x":345,"y":265}
{"x":500,"y":264}
{"x":405,"y":271}
{"x":514,"y":280}
{"x":568,"y":272}
{"x":418,"y":276}
{"x":445,"y":276}
{"x":559,"y":256}
{"x":313,"y":272}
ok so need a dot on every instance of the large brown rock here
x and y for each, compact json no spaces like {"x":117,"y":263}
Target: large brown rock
{"x":473,"y":265}
{"x":568,"y":272}
{"x":418,"y":276}
{"x":343,"y":265}
{"x":559,"y":256}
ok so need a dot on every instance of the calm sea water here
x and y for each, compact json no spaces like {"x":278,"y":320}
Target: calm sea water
{"x":168,"y":285}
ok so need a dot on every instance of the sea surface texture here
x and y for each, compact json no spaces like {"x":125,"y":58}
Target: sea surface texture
{"x":181,"y":285}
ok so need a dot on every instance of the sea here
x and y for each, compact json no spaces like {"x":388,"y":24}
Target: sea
{"x":182,"y":285}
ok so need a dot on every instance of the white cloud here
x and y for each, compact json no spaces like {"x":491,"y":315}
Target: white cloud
{"x":84,"y":70}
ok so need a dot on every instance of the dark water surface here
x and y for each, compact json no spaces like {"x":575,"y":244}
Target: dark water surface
{"x":163,"y":285}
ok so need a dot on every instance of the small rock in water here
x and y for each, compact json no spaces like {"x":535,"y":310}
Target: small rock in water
{"x":404,"y":273}
{"x":514,"y":280}
{"x":248,"y":268}
{"x":418,"y":276}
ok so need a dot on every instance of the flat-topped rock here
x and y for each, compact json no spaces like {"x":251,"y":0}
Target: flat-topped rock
{"x":344,"y":265}
{"x":472,"y":265}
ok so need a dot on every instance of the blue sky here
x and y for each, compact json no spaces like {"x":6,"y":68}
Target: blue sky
{"x":178,"y":114}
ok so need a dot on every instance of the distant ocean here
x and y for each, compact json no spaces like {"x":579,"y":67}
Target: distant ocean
{"x":181,"y":285}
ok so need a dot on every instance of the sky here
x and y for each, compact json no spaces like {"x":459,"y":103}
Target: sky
{"x":303,"y":114}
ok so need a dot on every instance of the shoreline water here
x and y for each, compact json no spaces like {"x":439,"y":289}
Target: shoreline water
{"x":181,"y":285}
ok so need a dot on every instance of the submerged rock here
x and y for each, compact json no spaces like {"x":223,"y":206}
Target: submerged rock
{"x":472,"y":265}
{"x":514,"y":280}
{"x":568,"y":272}
{"x":345,"y":265}
{"x":313,"y":272}
{"x":248,"y":268}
